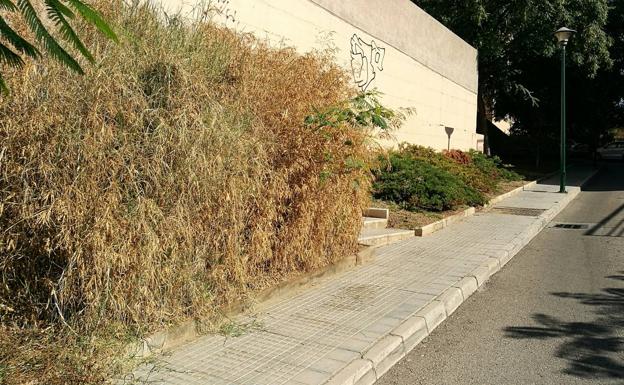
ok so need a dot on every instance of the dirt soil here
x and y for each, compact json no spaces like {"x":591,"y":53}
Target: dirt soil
{"x":412,"y":220}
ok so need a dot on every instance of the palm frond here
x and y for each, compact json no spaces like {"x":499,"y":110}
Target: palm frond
{"x":44,"y":37}
{"x":93,"y":17}
{"x":64,"y":9}
{"x":56,"y":12}
{"x":17,"y":41}
{"x":9,"y":57}
{"x":8,"y":6}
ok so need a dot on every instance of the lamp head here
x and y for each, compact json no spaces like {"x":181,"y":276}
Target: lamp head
{"x":563,"y":35}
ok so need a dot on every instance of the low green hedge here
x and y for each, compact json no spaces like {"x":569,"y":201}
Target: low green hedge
{"x":419,"y":178}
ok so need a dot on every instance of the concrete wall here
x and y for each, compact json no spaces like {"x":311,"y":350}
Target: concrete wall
{"x":389,"y":45}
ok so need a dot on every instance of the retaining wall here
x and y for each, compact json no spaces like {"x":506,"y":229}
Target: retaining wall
{"x":389,"y":45}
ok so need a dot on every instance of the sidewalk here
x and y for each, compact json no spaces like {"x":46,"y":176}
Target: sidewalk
{"x":351,"y":328}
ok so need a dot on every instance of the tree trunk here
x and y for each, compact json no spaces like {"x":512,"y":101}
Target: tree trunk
{"x":483,"y":120}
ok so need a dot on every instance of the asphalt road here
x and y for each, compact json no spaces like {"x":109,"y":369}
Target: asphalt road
{"x":553,"y":315}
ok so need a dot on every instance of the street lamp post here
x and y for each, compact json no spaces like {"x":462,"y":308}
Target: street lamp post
{"x":563,"y":35}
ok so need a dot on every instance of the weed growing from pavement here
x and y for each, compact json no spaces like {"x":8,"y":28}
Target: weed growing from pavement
{"x":237,"y":329}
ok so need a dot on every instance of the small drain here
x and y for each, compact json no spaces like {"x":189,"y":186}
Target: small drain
{"x":523,"y":211}
{"x":571,"y":226}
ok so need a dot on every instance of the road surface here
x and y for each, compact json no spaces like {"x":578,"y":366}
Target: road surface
{"x":553,"y":315}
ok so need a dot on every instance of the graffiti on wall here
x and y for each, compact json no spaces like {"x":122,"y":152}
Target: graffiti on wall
{"x":366,"y":60}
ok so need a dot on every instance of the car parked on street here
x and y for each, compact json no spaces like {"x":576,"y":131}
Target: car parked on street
{"x":613,"y":150}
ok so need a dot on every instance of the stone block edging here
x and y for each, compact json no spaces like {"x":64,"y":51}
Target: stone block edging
{"x":387,"y":351}
{"x":443,"y":223}
{"x":188,"y":331}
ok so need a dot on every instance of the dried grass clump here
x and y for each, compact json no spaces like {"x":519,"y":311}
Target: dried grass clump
{"x":175,"y":177}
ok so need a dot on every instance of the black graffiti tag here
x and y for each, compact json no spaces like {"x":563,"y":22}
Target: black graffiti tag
{"x":366,"y":60}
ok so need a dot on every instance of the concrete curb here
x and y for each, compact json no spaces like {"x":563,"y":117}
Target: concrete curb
{"x":387,"y":351}
{"x":188,"y":331}
{"x":443,"y":223}
{"x":508,"y":194}
{"x":383,"y":237}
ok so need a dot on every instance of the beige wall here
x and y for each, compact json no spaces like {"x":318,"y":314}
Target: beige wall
{"x":388,"y":45}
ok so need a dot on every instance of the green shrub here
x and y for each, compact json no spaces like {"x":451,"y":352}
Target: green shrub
{"x":417,"y":184}
{"x":492,"y":167}
{"x":460,"y":165}
{"x":421,"y":178}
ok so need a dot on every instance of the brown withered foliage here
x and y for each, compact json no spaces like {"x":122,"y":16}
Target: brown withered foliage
{"x":176,"y":177}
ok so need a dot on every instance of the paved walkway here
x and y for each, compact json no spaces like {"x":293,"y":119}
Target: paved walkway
{"x":553,"y":316}
{"x":351,"y":328}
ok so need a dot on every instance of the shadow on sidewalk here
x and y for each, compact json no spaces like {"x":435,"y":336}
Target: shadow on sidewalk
{"x":593,"y":350}
{"x":610,"y":177}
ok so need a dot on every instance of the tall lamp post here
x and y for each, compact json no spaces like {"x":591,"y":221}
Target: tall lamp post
{"x":563,"y":35}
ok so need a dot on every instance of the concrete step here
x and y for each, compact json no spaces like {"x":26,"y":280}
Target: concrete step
{"x":374,"y":223}
{"x":374,"y":212}
{"x":382,"y":237}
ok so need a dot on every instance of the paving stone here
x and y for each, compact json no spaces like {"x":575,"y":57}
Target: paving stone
{"x":481,"y":274}
{"x":434,"y":313}
{"x":391,"y":322}
{"x":327,"y":365}
{"x":451,"y":299}
{"x":311,"y":377}
{"x":356,"y":344}
{"x":380,"y":310}
{"x":412,"y":331}
{"x":400,"y":314}
{"x":352,"y":373}
{"x":468,"y":286}
{"x":342,"y":355}
{"x":493,"y":266}
{"x":369,"y":378}
{"x":385,"y":353}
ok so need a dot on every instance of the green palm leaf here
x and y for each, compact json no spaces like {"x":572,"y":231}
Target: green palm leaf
{"x":7,"y":5}
{"x":17,"y":41}
{"x":9,"y":57}
{"x":44,"y":37}
{"x":63,"y":8}
{"x":93,"y":17}
{"x":59,"y":12}
{"x":56,"y":12}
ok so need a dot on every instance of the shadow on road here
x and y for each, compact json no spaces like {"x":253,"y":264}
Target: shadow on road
{"x":593,"y":350}
{"x":609,"y":226}
{"x":610,"y":178}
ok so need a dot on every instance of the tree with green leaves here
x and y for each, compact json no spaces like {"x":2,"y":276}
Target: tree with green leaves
{"x":39,"y":15}
{"x":518,"y":55}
